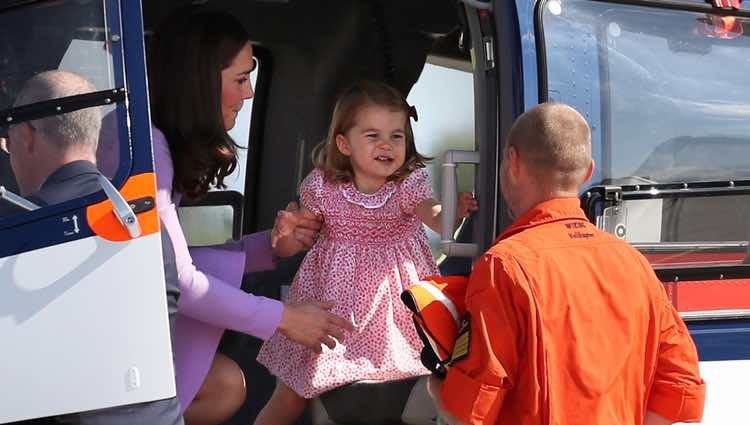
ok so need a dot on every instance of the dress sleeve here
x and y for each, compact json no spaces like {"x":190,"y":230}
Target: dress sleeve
{"x":678,"y":392}
{"x":205,"y":297}
{"x":256,"y":248}
{"x":414,"y":189}
{"x":311,"y":191}
{"x":487,"y":354}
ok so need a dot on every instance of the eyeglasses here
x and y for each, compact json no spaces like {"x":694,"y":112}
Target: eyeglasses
{"x":5,"y":135}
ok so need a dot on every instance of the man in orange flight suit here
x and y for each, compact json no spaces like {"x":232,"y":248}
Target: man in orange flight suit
{"x":565,"y":324}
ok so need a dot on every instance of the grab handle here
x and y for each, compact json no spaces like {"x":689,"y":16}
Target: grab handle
{"x":16,"y":200}
{"x":449,"y":199}
{"x":121,"y":208}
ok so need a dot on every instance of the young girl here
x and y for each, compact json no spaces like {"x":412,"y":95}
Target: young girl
{"x":372,"y":191}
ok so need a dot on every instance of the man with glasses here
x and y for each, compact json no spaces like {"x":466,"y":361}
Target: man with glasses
{"x":54,"y":160}
{"x":50,"y":153}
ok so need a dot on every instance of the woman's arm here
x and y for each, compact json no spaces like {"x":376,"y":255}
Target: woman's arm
{"x":429,"y":211}
{"x":212,"y":300}
{"x":255,"y":247}
{"x":205,"y":297}
{"x":300,"y":229}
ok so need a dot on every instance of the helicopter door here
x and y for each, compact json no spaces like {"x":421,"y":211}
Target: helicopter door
{"x":83,"y":316}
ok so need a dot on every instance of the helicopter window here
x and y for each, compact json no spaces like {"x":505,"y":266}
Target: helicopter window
{"x":664,"y":90}
{"x":76,"y":36}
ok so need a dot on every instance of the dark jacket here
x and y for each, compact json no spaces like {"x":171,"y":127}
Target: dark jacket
{"x":73,"y":180}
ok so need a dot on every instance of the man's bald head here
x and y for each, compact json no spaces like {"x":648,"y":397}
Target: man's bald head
{"x":554,"y":141}
{"x":73,"y":130}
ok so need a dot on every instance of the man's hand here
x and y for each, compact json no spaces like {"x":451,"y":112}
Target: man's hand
{"x":294,"y":230}
{"x":466,"y":205}
{"x":654,"y":419}
{"x":433,"y":387}
{"x":311,"y":324}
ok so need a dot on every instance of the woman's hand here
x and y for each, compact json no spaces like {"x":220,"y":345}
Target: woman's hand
{"x":294,"y":230}
{"x":466,"y":205}
{"x":311,"y":324}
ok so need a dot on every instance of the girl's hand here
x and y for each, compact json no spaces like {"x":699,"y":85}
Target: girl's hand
{"x":294,"y":230}
{"x":284,"y":225}
{"x":466,"y":205}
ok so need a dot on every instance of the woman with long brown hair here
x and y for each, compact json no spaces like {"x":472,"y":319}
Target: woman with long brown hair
{"x":199,"y":77}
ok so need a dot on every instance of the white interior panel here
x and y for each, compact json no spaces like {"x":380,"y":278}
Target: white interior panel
{"x":726,"y":392}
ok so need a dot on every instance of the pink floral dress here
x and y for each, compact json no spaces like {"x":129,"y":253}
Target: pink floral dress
{"x":371,"y":248}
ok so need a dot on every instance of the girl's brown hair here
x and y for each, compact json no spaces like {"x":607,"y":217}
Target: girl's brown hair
{"x":186,"y":57}
{"x":336,"y":166}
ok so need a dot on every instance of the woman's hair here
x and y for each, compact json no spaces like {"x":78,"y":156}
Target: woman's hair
{"x":186,"y":57}
{"x":336,"y":166}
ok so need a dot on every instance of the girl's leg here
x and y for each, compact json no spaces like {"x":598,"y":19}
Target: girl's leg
{"x":284,"y":407}
{"x":221,"y":394}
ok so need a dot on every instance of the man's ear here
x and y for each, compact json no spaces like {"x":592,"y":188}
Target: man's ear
{"x":514,"y":161}
{"x":590,"y":171}
{"x":29,"y":144}
{"x":343,"y":144}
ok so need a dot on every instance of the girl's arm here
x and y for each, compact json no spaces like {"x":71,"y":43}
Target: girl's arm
{"x":429,"y":211}
{"x":295,"y":229}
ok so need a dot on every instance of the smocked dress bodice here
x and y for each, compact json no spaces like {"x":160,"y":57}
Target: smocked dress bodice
{"x":371,"y":247}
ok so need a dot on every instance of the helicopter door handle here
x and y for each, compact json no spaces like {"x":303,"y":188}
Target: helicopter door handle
{"x":449,"y":199}
{"x":125,"y":215}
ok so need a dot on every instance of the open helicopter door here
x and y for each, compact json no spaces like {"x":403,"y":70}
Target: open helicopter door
{"x":83,"y":315}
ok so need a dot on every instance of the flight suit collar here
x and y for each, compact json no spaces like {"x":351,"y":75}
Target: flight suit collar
{"x":546,"y":212}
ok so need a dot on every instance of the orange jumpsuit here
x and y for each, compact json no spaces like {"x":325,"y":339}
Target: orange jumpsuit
{"x":566,"y":324}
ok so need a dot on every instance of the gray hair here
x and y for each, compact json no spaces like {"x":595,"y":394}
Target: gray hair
{"x":77,"y":129}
